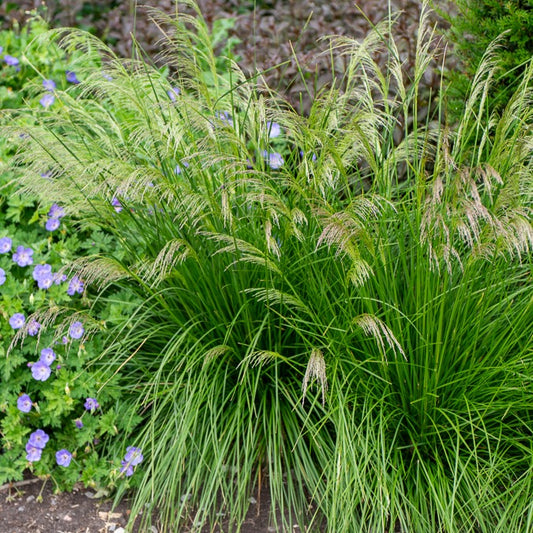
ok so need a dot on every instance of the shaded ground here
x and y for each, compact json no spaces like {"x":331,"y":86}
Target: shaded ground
{"x":31,"y":506}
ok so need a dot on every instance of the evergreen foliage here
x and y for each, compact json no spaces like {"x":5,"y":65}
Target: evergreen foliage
{"x":478,"y":24}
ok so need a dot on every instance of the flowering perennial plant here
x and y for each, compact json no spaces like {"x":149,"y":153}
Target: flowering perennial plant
{"x":40,"y":370}
{"x":33,"y":328}
{"x":11,"y":61}
{"x":91,"y":404}
{"x":75,"y":286}
{"x":48,"y":356}
{"x":43,"y":374}
{"x":46,"y":101}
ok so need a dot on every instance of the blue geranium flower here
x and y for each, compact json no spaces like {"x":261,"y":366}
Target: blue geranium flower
{"x":91,"y":404}
{"x":47,"y":100}
{"x":23,"y":256}
{"x":2,"y":276}
{"x":75,"y":286}
{"x":133,"y":455}
{"x":24,"y":403}
{"x":71,"y":77}
{"x":59,"y":278}
{"x":33,"y":453}
{"x":63,"y":457}
{"x":42,"y":274}
{"x":224,"y":117}
{"x":56,"y":211}
{"x":49,"y":85}
{"x":33,"y":328}
{"x":5,"y":245}
{"x":40,"y":371}
{"x":126,"y":469}
{"x":11,"y":61}
{"x":179,"y":170}
{"x":115,"y":202}
{"x":17,"y":321}
{"x":274,"y":129}
{"x":52,"y":224}
{"x":173,"y":92}
{"x":41,"y":271}
{"x":38,"y":439}
{"x":76,"y":330}
{"x":48,"y":356}
{"x":274,"y":159}
{"x":132,"y":458}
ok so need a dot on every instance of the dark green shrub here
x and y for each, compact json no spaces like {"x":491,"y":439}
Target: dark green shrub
{"x":477,"y":24}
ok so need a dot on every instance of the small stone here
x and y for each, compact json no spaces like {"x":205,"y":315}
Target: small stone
{"x":252,"y":500}
{"x":31,"y":498}
{"x":89,"y":494}
{"x":120,"y":530}
{"x":67,"y":518}
{"x":153,"y":529}
{"x":21,"y":509}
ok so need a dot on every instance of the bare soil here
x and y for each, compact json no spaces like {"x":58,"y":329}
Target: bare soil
{"x":31,"y":506}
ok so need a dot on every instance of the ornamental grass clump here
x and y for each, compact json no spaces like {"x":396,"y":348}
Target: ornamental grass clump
{"x":346,"y":324}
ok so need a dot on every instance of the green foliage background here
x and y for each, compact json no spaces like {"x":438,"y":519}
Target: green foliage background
{"x":472,"y":30}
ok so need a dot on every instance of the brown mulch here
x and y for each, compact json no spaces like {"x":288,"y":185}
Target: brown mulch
{"x":289,"y":33}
